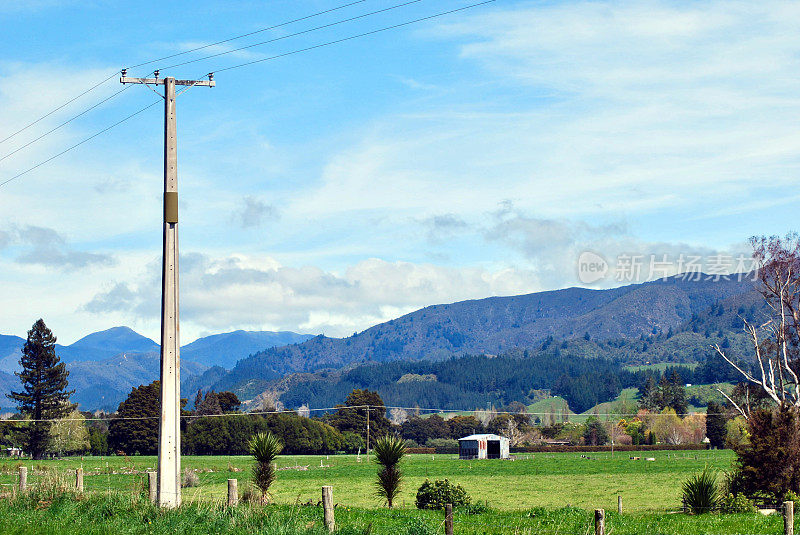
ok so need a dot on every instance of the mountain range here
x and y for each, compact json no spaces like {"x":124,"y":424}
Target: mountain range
{"x":495,"y":325}
{"x":104,"y":366}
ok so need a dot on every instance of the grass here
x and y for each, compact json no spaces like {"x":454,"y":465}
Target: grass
{"x":625,"y":402}
{"x":550,"y":480}
{"x":121,"y":515}
{"x":661,"y":366}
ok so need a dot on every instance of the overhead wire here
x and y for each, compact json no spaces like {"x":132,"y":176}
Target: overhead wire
{"x":104,"y":130}
{"x":285,"y":54}
{"x":84,"y":112}
{"x":369,"y":408}
{"x":329,"y":25}
{"x":249,"y":33}
{"x":67,"y":103}
{"x":115,"y":73}
{"x":350,"y":38}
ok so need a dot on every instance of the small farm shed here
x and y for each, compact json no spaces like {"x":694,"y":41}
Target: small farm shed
{"x":483,"y":447}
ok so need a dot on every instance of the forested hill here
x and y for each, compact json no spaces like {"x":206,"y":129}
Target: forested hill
{"x":499,"y":324}
{"x":584,"y":371}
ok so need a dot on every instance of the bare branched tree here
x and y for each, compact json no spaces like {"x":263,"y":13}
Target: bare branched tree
{"x":775,"y":341}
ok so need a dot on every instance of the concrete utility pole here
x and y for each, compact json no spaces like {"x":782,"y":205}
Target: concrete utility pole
{"x":169,"y":433}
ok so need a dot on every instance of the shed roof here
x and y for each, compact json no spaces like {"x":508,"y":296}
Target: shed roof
{"x":487,"y":436}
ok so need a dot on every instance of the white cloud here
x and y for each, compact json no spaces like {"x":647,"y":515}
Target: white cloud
{"x":240,"y":291}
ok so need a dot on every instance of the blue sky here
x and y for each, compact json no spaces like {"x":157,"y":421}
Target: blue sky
{"x":471,"y":155}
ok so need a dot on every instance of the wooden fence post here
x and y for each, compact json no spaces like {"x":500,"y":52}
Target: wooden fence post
{"x":788,"y":518}
{"x":23,"y":478}
{"x":327,"y":508}
{"x":233,"y":492}
{"x":79,"y":480}
{"x":599,"y":522}
{"x":448,"y":519}
{"x":152,"y":483}
{"x":619,"y":504}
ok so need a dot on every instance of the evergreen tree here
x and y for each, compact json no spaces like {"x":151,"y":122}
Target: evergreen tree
{"x":715,"y":424}
{"x":651,"y":395}
{"x":44,"y":393}
{"x":676,"y":397}
{"x":135,"y":427}
{"x":594,"y":433}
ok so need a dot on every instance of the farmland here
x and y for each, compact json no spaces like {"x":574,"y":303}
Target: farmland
{"x":549,"y":480}
{"x":540,"y":493}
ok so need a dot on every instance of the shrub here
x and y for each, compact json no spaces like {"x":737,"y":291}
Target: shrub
{"x":477,"y":508}
{"x":770,"y":461}
{"x":700,"y":492}
{"x":265,"y":448}
{"x":733,"y":482}
{"x":791,"y":496}
{"x":189,"y":478}
{"x":389,"y":450}
{"x":435,"y":495}
{"x":736,"y":503}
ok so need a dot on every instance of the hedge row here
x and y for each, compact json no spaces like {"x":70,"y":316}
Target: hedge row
{"x":647,"y":447}
{"x":427,"y":451}
{"x":561,"y":448}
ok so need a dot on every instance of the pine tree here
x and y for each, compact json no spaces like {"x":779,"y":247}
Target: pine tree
{"x":651,"y":395}
{"x":715,"y":424}
{"x":44,"y":396}
{"x":135,"y":427}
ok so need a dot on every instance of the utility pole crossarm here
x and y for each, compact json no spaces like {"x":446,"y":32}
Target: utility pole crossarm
{"x":160,"y":81}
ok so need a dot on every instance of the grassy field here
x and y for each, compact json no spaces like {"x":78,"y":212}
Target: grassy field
{"x":549,"y":480}
{"x":124,"y":515}
{"x":625,"y":403}
{"x":661,"y":366}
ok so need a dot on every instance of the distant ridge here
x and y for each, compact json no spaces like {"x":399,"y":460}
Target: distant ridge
{"x":497,"y":324}
{"x":105,"y":365}
{"x":105,"y":344}
{"x":227,"y":348}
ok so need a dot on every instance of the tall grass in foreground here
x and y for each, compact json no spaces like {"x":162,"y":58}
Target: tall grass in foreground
{"x":124,"y":514}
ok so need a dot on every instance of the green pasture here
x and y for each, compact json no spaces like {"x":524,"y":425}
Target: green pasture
{"x":549,"y":480}
{"x":120,"y":515}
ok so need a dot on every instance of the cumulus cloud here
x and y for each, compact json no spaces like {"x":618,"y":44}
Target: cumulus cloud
{"x":46,"y":247}
{"x":240,"y":291}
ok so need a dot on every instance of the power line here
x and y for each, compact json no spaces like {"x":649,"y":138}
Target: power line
{"x":293,"y":52}
{"x":343,"y":21}
{"x":351,"y":407}
{"x":250,"y":33}
{"x":84,"y":112}
{"x":386,"y":28}
{"x":106,"y":129}
{"x":70,"y":101}
{"x":98,"y":84}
